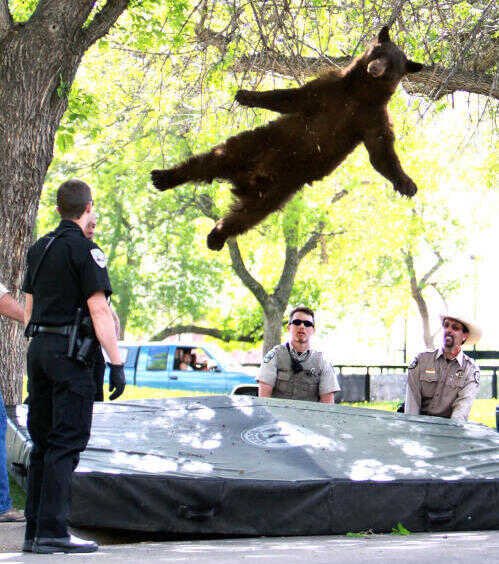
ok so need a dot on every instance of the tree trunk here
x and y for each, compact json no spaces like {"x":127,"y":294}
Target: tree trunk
{"x":38,"y":62}
{"x":274,"y":305}
{"x":425,"y":320}
{"x":417,"y":296}
{"x":30,"y":67}
{"x":272,"y":324}
{"x":12,"y":348}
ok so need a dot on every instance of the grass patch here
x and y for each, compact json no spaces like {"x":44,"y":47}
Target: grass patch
{"x":482,"y":411}
{"x":142,"y":392}
{"x":17,"y":494}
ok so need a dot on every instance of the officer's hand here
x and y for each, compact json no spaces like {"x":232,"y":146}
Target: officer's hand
{"x":117,"y":381}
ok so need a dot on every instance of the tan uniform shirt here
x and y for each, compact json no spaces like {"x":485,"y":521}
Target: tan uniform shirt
{"x":436,"y":386}
{"x":277,"y":364}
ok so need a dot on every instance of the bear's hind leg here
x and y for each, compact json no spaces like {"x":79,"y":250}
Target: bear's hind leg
{"x":203,"y":168}
{"x":245,"y":214}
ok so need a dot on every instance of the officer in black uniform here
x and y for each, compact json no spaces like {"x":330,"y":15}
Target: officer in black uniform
{"x":66,"y":285}
{"x":99,"y":366}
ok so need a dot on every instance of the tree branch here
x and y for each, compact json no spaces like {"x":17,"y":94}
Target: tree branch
{"x":437,"y":81}
{"x":287,"y":278}
{"x":217,"y":333}
{"x":311,"y":242}
{"x":103,"y":21}
{"x":207,"y":36}
{"x":6,"y":21}
{"x":417,"y":295}
{"x":74,"y":14}
{"x":205,"y":204}
{"x":314,"y":238}
{"x":291,"y":67}
{"x":240,"y":269}
{"x":340,"y":194}
{"x":437,"y":289}
{"x":433,"y":81}
{"x":424,"y":280}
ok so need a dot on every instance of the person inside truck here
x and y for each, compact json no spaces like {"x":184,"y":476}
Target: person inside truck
{"x":186,"y":361}
{"x":200,"y":361}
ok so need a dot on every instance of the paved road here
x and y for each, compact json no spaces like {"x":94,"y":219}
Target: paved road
{"x":481,"y":547}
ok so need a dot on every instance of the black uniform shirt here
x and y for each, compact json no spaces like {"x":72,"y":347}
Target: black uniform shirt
{"x":72,"y":270}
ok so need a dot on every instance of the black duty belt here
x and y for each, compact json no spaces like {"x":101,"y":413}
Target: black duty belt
{"x":61,"y":330}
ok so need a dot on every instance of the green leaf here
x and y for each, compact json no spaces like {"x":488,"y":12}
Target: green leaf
{"x":399,"y":529}
{"x":63,"y":88}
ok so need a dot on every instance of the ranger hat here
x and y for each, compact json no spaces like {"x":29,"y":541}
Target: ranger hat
{"x":474,"y":331}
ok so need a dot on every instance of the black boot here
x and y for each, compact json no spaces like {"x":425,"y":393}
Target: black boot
{"x":71,"y":544}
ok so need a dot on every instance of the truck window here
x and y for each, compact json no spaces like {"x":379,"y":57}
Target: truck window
{"x":156,"y":360}
{"x":189,"y":359}
{"x":201,"y":360}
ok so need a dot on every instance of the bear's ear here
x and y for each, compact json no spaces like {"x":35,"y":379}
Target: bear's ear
{"x":412,"y":66}
{"x":384,"y":34}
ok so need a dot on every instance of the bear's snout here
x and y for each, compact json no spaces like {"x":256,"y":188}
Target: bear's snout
{"x":377,"y":67}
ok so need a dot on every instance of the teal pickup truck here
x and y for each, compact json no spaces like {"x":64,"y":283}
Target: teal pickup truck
{"x":161,"y":366}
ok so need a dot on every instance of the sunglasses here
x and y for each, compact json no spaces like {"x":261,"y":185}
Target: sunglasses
{"x":305,"y":322}
{"x":455,"y":326}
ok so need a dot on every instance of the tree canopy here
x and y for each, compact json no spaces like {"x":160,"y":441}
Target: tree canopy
{"x":156,"y":85}
{"x":161,"y":104}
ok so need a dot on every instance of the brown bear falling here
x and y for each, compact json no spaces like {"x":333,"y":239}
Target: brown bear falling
{"x":323,"y":121}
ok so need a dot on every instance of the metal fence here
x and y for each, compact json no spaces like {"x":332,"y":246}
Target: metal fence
{"x":384,"y":382}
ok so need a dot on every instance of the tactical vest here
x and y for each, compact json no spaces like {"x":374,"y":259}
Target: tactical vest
{"x":302,"y":385}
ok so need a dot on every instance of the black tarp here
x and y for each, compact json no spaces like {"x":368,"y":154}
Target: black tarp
{"x":238,"y":465}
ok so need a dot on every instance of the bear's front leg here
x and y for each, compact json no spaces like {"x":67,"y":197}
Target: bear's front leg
{"x":165,"y":179}
{"x":284,"y":101}
{"x":380,"y":146}
{"x":245,"y":98}
{"x":406,"y":187}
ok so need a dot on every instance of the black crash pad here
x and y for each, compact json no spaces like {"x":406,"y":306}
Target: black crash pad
{"x":239,"y":465}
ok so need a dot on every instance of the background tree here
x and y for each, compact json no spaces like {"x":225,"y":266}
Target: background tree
{"x":302,"y":231}
{"x":41,"y":46}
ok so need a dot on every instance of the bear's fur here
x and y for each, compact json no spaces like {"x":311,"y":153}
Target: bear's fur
{"x":323,"y":122}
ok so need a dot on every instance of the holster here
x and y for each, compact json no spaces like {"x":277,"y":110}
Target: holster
{"x":85,"y":352}
{"x":82,"y":339}
{"x":73,"y":336}
{"x":29,"y":331}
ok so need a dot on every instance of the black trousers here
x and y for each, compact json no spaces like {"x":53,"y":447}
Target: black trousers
{"x":61,"y":393}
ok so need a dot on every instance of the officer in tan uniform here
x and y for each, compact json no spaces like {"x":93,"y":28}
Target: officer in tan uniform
{"x":293,"y":370}
{"x":444,"y":382}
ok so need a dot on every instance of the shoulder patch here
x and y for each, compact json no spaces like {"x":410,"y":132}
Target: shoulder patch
{"x":413,"y":364}
{"x":99,"y":257}
{"x":476,"y":376}
{"x":269,"y":356}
